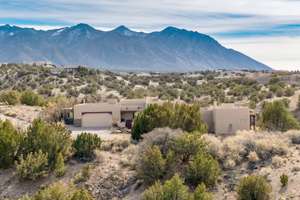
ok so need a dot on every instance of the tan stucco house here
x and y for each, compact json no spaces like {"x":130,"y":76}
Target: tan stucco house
{"x":104,"y":115}
{"x":223,"y":119}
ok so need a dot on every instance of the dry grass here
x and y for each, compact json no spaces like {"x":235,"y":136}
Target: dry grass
{"x":117,"y":145}
{"x":129,"y":156}
{"x":248,"y":146}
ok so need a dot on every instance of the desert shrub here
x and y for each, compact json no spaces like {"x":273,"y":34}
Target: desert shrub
{"x":10,"y":97}
{"x":10,"y":140}
{"x":175,"y":189}
{"x":31,"y":99}
{"x":59,"y":166}
{"x":277,"y":161}
{"x":182,"y":116}
{"x":253,"y":188}
{"x":50,"y":138}
{"x":61,"y":191}
{"x":187,"y":117}
{"x":246,"y":146}
{"x":85,"y":145}
{"x":161,"y":137}
{"x":200,"y":193}
{"x":33,"y":166}
{"x":152,"y":165}
{"x":84,"y":174}
{"x":266,"y":148}
{"x":164,"y":152}
{"x":284,"y":179}
{"x":25,"y":197}
{"x":172,"y":189}
{"x":188,"y":145}
{"x":155,"y":192}
{"x":275,"y":116}
{"x":289,"y":91}
{"x":55,"y":108}
{"x":82,"y":194}
{"x":202,"y":169}
{"x":154,"y":116}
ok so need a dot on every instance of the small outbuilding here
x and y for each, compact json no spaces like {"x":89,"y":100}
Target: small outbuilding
{"x":227,"y":118}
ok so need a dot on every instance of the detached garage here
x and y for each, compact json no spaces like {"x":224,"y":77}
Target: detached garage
{"x":96,"y":120}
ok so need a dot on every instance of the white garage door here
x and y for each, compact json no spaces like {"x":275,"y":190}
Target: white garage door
{"x":97,"y":120}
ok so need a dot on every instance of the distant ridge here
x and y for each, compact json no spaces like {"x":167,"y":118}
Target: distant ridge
{"x":169,"y":50}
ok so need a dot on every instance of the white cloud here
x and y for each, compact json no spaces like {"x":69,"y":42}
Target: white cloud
{"x":281,"y":53}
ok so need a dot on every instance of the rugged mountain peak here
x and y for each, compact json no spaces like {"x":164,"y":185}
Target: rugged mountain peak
{"x":82,"y":26}
{"x":172,"y":29}
{"x":8,"y":27}
{"x":123,"y":30}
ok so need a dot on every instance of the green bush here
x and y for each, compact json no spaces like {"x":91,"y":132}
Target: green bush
{"x":254,"y":188}
{"x":202,"y":169}
{"x":50,"y":138}
{"x":85,"y":146}
{"x":276,"y":117}
{"x":187,"y":146}
{"x":155,"y":192}
{"x":61,"y":191}
{"x":165,"y":153}
{"x":172,"y":189}
{"x":185,"y":117}
{"x":200,"y":193}
{"x":153,"y":116}
{"x":10,"y":97}
{"x":175,"y":189}
{"x":35,"y":165}
{"x":10,"y":140}
{"x":59,"y":166}
{"x":152,"y":165}
{"x":82,"y":194}
{"x":31,"y":99}
{"x":55,"y":191}
{"x":284,"y":179}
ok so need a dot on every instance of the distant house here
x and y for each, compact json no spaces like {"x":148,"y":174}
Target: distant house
{"x":228,"y":119}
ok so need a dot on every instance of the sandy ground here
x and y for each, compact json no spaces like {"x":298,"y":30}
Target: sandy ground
{"x":104,"y":134}
{"x":21,"y":116}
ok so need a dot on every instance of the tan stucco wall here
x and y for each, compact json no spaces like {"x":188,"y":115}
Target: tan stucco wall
{"x":133,"y":104}
{"x":115,"y":109}
{"x":230,"y":120}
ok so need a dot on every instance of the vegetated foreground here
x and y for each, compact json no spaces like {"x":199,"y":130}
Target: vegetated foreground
{"x":190,"y":165}
{"x":168,"y":155}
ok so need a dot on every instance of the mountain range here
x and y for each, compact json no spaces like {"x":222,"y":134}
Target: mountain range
{"x":171,"y":49}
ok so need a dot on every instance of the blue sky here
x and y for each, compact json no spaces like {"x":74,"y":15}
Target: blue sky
{"x":268,"y":30}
